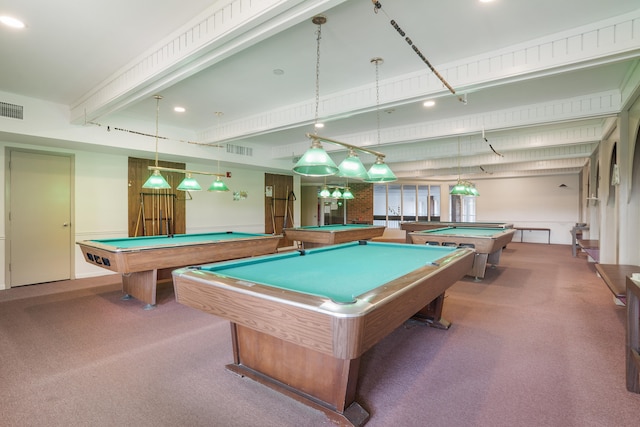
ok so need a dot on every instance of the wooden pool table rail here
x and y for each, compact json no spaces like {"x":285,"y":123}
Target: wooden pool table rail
{"x":141,"y":269}
{"x":488,"y":250}
{"x":316,"y":237}
{"x":307,"y":347}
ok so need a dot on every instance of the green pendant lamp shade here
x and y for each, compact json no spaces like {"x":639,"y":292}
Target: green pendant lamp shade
{"x":218,"y":185}
{"x":156,"y":181}
{"x":347,"y":194}
{"x":380,"y":172}
{"x":189,"y":184}
{"x":459,"y":189}
{"x":325,"y":193}
{"x":352,"y":167}
{"x":315,"y":162}
{"x":463,"y":188}
{"x":336,"y":194}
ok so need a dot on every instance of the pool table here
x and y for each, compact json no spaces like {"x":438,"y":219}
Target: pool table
{"x":143,"y":260}
{"x":488,"y":243}
{"x":322,"y":235}
{"x":411,"y":226}
{"x":301,"y":320}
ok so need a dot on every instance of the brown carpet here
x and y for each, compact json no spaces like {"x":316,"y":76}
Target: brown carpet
{"x":538,"y":342}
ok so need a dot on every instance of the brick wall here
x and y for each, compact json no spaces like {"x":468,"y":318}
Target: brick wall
{"x":361,"y":207}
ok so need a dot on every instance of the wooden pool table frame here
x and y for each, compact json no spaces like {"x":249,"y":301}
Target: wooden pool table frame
{"x":142,"y":267}
{"x":313,"y":237}
{"x":411,"y":226}
{"x":488,"y":248}
{"x":308,"y":347}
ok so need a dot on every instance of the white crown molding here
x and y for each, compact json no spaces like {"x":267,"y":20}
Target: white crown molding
{"x":219,"y":32}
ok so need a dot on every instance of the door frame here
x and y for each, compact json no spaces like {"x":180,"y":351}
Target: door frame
{"x":7,"y":207}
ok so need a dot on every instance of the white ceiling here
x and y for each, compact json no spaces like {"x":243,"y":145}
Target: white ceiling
{"x":541,"y":79}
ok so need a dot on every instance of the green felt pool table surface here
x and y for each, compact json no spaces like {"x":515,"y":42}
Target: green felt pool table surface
{"x":339,"y":272}
{"x":301,"y":320}
{"x":323,"y":235}
{"x":465,"y":231}
{"x":334,"y":227}
{"x":174,"y":240}
{"x":144,"y":260}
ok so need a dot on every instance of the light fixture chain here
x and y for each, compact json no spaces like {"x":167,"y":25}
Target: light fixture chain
{"x":158,"y":98}
{"x":378,"y":100}
{"x":319,"y":36}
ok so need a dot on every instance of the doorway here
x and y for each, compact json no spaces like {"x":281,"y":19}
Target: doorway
{"x":39,"y":213}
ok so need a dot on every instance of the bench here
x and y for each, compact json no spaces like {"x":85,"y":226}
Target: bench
{"x":633,"y":335}
{"x":591,"y":248}
{"x":523,"y":229}
{"x":614,"y":276}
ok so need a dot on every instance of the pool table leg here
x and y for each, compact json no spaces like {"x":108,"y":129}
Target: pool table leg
{"x":431,"y":314}
{"x":318,"y":380}
{"x":479,"y":266}
{"x":142,"y":286}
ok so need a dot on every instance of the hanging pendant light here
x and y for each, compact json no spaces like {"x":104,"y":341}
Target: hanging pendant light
{"x":315,"y":161}
{"x":347,"y":194}
{"x":459,"y":189}
{"x":336,"y":194}
{"x":352,"y":167}
{"x":189,"y":184}
{"x":218,"y":185}
{"x":325,"y":193}
{"x":379,"y":171}
{"x":156,"y":181}
{"x":463,"y":188}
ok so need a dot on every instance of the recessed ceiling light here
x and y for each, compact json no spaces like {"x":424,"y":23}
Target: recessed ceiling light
{"x":11,"y":22}
{"x":486,"y":1}
{"x":429,"y":103}
{"x":319,"y":125}
{"x":179,"y":109}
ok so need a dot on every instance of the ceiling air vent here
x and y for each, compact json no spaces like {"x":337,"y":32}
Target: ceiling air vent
{"x":240,"y":150}
{"x":11,"y":110}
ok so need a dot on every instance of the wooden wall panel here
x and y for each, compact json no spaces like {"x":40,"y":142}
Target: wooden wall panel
{"x":278,"y":208}
{"x":155,"y":212}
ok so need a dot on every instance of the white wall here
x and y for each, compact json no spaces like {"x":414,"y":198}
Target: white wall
{"x":532,"y":202}
{"x":101,"y":205}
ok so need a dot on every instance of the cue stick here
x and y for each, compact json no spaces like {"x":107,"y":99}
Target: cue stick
{"x":291,"y":207}
{"x":286,"y":204}
{"x":171,"y":202}
{"x":273,"y":220}
{"x":273,"y":208}
{"x":135,"y":233}
{"x":153,"y":215}
{"x":166,"y":211}
{"x":144,"y":217}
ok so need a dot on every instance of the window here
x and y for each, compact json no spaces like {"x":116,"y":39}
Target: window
{"x":394,"y":203}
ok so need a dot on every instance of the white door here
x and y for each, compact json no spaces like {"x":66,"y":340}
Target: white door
{"x":39,"y":213}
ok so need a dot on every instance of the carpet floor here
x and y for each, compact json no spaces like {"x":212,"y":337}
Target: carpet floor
{"x":538,"y":342}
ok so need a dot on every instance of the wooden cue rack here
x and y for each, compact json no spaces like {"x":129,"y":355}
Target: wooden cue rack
{"x":156,"y":214}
